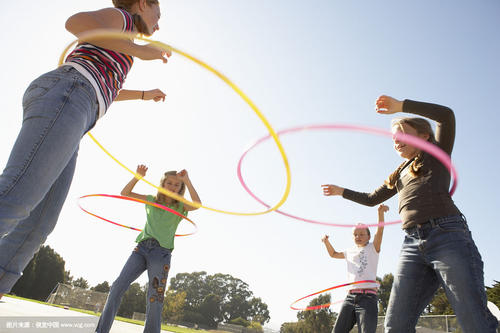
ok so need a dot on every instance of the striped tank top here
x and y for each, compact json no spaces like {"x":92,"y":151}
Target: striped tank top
{"x":105,"y":69}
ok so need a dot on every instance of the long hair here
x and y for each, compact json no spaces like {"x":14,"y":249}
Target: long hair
{"x":162,"y":198}
{"x":422,"y":126}
{"x":138,"y":21}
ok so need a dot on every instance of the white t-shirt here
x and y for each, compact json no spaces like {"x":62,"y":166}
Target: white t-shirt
{"x":362,"y":265}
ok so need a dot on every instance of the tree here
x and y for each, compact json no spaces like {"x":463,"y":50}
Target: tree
{"x":228,"y":297}
{"x":81,"y":283}
{"x":318,"y":321}
{"x":440,"y":304}
{"x":102,"y":287}
{"x":258,"y":311}
{"x":210,"y":308}
{"x":298,"y":327}
{"x":134,"y":300}
{"x":384,"y":291}
{"x":493,"y":293}
{"x":68,"y":278}
{"x":173,"y":306}
{"x":43,"y":273}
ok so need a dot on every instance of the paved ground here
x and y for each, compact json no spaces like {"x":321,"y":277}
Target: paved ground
{"x":16,"y":315}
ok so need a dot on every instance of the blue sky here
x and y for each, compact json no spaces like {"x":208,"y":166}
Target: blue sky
{"x":301,"y":62}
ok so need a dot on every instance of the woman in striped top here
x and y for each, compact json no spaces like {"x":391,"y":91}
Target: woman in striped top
{"x":59,"y":108}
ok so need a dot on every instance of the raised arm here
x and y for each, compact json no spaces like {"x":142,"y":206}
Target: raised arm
{"x":442,"y":115}
{"x":127,"y":190}
{"x":331,"y":250}
{"x":183,"y":176}
{"x":377,"y":239}
{"x":85,"y":24}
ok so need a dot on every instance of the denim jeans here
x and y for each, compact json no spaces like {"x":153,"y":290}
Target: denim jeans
{"x":59,"y":108}
{"x":358,"y":309}
{"x":150,"y":256}
{"x":439,"y":253}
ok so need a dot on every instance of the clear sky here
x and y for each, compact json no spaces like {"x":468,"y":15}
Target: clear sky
{"x":301,"y":62}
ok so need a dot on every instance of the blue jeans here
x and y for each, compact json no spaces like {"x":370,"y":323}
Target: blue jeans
{"x":358,"y":309}
{"x":439,"y":253}
{"x":150,"y":256}
{"x":59,"y":108}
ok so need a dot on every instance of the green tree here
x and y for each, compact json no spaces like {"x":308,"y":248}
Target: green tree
{"x":240,"y":321}
{"x":234,"y":298}
{"x":102,"y":287}
{"x":493,"y":293}
{"x":298,"y":327}
{"x":81,"y":283}
{"x":258,"y":311}
{"x":384,"y":291}
{"x":173,"y":306}
{"x":43,"y":273}
{"x":134,"y":300}
{"x":318,"y":321}
{"x":68,"y":278}
{"x":440,"y":304}
{"x":210,"y":308}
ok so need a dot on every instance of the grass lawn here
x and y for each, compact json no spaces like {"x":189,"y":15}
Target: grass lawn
{"x":128,"y":320}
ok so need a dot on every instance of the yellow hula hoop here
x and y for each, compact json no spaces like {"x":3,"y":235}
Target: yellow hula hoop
{"x":168,"y":48}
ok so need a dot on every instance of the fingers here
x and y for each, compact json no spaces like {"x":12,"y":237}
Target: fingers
{"x":142,"y":169}
{"x":383,"y":208}
{"x":328,"y":189}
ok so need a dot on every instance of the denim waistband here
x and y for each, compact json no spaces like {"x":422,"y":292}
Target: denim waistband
{"x":434,"y":222}
{"x":150,"y":242}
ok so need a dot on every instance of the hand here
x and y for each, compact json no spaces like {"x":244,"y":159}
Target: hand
{"x":325,"y":238}
{"x":153,"y":52}
{"x":383,"y":209}
{"x":141,"y":170}
{"x":332,"y":190}
{"x":388,"y":105}
{"x":183,"y":175}
{"x":155,"y":95}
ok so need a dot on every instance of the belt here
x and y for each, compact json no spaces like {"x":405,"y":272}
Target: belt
{"x":363,"y":291}
{"x":433,"y":222}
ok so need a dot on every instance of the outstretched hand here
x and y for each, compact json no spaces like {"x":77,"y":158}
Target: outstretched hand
{"x":153,"y":52}
{"x":329,"y":189}
{"x":388,"y":105}
{"x":155,"y":95}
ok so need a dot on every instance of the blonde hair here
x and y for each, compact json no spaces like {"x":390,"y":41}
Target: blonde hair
{"x":361,"y":226}
{"x":422,"y":126}
{"x":138,"y":21}
{"x":162,"y":198}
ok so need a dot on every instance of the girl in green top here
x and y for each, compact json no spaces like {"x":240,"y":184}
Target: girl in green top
{"x":154,"y":250}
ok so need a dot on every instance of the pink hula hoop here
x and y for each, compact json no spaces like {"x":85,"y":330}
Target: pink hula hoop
{"x":426,"y":146}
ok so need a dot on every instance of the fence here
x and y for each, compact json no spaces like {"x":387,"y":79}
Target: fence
{"x":235,"y":328}
{"x":75,"y":297}
{"x":427,"y":324}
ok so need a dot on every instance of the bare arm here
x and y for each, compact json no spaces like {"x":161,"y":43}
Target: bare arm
{"x":183,"y":175}
{"x":85,"y":25}
{"x":127,"y":190}
{"x":146,"y":95}
{"x":377,"y":239}
{"x":331,"y":250}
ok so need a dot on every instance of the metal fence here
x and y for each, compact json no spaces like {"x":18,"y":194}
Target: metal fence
{"x":427,"y":324}
{"x":67,"y":295}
